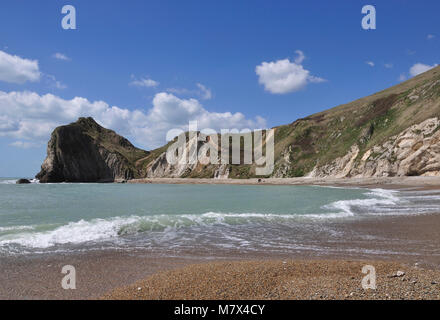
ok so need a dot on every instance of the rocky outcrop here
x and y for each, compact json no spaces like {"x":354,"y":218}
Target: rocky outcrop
{"x":22,"y":181}
{"x":391,"y":133}
{"x":84,"y":151}
{"x":413,"y":152}
{"x":339,"y":168}
{"x":183,"y":167}
{"x":161,"y":168}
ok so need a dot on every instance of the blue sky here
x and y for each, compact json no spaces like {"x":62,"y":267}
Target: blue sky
{"x":143,"y":67}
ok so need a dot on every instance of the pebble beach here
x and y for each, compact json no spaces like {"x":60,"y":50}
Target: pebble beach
{"x":261,"y":280}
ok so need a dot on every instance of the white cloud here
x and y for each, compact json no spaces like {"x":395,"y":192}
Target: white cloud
{"x":14,"y":69}
{"x":28,"y":118}
{"x":144,"y":82}
{"x":180,"y":91}
{"x":24,"y":144}
{"x":388,"y":65}
{"x":402,"y":77}
{"x":430,"y":36}
{"x":370,"y":63}
{"x":202,"y":91}
{"x":419,"y":68}
{"x":53,"y":82}
{"x":205,"y":93}
{"x":300,"y":57}
{"x":61,"y":56}
{"x":284,"y":76}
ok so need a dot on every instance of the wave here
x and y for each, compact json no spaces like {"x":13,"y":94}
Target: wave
{"x":9,"y":181}
{"x":376,"y":202}
{"x":14,"y":181}
{"x":107,"y":229}
{"x":15,"y":228}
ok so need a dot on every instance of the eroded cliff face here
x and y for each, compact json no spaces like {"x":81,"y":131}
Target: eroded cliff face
{"x":391,"y":133}
{"x":413,"y":152}
{"x":86,"y":152}
{"x":181,"y":168}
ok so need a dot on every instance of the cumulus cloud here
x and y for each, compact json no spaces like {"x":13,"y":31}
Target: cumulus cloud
{"x":370,"y":63}
{"x":14,"y":69}
{"x":61,"y":56}
{"x":284,"y":76}
{"x":29,"y":118}
{"x":144,"y":82}
{"x":419,"y":68}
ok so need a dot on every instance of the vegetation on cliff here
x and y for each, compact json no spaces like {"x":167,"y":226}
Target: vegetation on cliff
{"x":336,"y":142}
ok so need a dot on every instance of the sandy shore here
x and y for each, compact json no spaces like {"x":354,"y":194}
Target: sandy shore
{"x":383,"y":182}
{"x":401,"y":243}
{"x":39,"y":276}
{"x":284,"y":280}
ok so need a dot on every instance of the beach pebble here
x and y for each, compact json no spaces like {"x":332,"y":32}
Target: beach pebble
{"x":398,"y":274}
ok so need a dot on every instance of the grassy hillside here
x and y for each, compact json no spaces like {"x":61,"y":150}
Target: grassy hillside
{"x":325,"y":136}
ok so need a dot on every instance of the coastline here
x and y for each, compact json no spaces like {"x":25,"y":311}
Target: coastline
{"x":114,"y":273}
{"x":416,"y":182}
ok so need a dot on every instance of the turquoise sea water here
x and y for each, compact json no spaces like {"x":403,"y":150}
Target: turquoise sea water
{"x":58,"y":217}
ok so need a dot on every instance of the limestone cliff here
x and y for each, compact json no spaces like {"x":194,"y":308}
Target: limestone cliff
{"x":391,"y":133}
{"x":413,"y":152}
{"x":84,"y":151}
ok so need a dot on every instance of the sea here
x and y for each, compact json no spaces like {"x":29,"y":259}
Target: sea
{"x":172,"y":219}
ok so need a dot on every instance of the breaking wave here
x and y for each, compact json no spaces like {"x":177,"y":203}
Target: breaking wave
{"x":376,"y":202}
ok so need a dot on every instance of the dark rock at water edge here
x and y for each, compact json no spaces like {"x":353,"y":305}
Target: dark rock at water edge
{"x":84,"y":151}
{"x":22,"y":181}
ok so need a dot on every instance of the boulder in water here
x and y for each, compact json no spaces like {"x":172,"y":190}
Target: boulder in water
{"x":22,"y":181}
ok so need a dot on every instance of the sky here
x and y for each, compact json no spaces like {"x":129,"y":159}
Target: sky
{"x":142,"y":67}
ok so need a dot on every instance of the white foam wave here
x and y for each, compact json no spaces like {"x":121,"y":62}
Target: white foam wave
{"x":8,"y":181}
{"x":14,"y":181}
{"x":377,"y":200}
{"x":107,"y":229}
{"x":74,"y":232}
{"x":16,"y":228}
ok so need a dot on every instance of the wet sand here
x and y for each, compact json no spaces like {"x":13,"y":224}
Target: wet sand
{"x":396,"y":243}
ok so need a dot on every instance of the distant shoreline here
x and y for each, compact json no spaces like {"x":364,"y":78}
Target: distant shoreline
{"x":419,"y":182}
{"x":416,"y":182}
